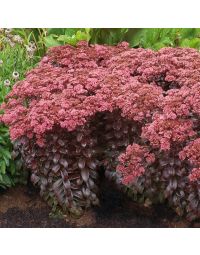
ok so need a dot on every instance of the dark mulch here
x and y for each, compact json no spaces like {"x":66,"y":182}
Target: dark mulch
{"x":30,"y":218}
{"x":22,"y":207}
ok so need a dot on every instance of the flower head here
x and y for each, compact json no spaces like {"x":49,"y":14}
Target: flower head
{"x":7,"y":83}
{"x":17,"y":39}
{"x":8,"y":30}
{"x":15,"y":75}
{"x":31,"y":48}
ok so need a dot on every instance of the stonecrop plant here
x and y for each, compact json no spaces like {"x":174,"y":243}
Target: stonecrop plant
{"x":133,"y":113}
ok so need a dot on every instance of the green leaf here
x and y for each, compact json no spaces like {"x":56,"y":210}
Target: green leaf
{"x":67,"y":39}
{"x":63,"y":31}
{"x":6,"y":181}
{"x":50,"y":41}
{"x":56,"y":31}
{"x":193,"y":43}
{"x":81,"y":36}
{"x":7,"y":161}
{"x":12,"y":168}
{"x":185,"y":43}
{"x":2,"y":167}
{"x":71,"y":31}
{"x":158,"y":45}
{"x":5,"y":153}
{"x":63,"y":38}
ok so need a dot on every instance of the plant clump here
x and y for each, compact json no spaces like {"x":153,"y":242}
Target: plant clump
{"x":132,"y":112}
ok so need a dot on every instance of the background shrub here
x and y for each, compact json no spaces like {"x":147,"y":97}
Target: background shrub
{"x":154,"y":38}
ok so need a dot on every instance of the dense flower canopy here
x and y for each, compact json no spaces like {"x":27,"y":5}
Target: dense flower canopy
{"x":158,"y":90}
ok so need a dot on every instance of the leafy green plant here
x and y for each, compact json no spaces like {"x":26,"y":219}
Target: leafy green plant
{"x":154,"y":38}
{"x":108,"y":35}
{"x":19,"y":52}
{"x":112,"y":36}
{"x":7,"y":168}
{"x":61,"y":36}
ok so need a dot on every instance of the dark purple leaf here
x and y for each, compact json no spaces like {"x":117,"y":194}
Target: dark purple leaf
{"x":79,"y":137}
{"x":64,"y":163}
{"x":56,"y":158}
{"x":85,"y":174}
{"x":81,"y":163}
{"x":55,"y":168}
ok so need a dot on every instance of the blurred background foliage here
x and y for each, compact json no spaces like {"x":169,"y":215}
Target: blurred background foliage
{"x":21,"y":49}
{"x":168,"y":37}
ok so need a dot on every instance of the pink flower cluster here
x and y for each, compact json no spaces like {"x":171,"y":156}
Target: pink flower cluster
{"x":192,"y":151}
{"x":132,"y":163}
{"x":138,"y":102}
{"x":163,"y":132}
{"x":195,"y":174}
{"x":158,"y":90}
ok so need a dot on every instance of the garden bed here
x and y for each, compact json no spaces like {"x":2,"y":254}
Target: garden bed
{"x":90,"y":112}
{"x":22,"y":206}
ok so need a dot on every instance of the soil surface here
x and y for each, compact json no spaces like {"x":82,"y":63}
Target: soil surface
{"x":23,"y":207}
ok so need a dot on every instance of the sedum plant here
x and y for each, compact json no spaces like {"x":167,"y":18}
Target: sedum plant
{"x":20,"y":50}
{"x":132,"y":112}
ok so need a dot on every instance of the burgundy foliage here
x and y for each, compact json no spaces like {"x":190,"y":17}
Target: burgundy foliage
{"x":133,"y":112}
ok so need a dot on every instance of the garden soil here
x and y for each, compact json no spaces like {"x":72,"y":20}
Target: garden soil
{"x":22,"y":206}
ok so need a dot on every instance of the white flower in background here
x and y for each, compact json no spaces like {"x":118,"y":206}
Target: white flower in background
{"x":7,"y":83}
{"x":1,"y":30}
{"x":31,"y":48}
{"x":28,"y":49}
{"x":31,"y":43}
{"x":8,"y":30}
{"x":17,"y":39}
{"x":15,"y":75}
{"x":1,"y":62}
{"x":12,"y":44}
{"x":8,"y":40}
{"x":9,"y":36}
